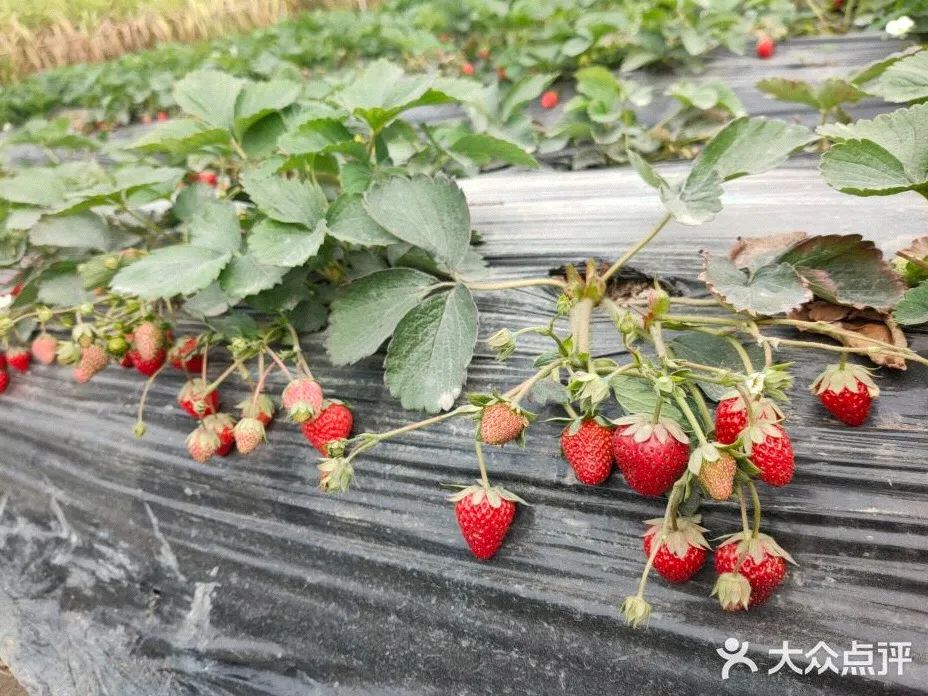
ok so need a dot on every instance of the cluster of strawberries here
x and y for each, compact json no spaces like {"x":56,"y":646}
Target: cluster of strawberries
{"x":322,"y":421}
{"x":149,"y":346}
{"x":652,"y":455}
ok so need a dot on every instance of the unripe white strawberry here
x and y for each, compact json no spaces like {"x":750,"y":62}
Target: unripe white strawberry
{"x":249,"y":433}
{"x":302,"y":398}
{"x":202,"y":444}
{"x":93,"y":359}
{"x":263,"y":408}
{"x":45,"y":348}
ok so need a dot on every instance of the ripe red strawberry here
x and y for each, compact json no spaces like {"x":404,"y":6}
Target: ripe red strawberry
{"x":682,"y":551}
{"x":651,"y":456}
{"x":762,"y":564}
{"x":484,"y":515}
{"x":223,"y":425}
{"x":501,"y":422}
{"x":764,"y":47}
{"x":263,"y":408}
{"x":2,"y":360}
{"x":333,"y":423}
{"x":126,"y":360}
{"x":468,"y":69}
{"x":207,"y":177}
{"x":162,"y":115}
{"x":44,"y":348}
{"x":93,"y":359}
{"x":183,"y":355}
{"x":847,"y":392}
{"x":249,"y":433}
{"x":549,"y":99}
{"x":202,"y":444}
{"x":771,"y":450}
{"x":4,"y":380}
{"x":19,"y":358}
{"x":587,"y":447}
{"x":195,"y":400}
{"x":731,"y":417}
{"x":147,"y":367}
{"x":302,"y":398}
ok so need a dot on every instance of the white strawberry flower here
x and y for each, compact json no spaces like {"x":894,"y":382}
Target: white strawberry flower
{"x":6,"y":301}
{"x":900,"y":26}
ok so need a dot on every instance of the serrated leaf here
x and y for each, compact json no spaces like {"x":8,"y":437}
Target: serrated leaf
{"x":84,"y":230}
{"x":745,"y":146}
{"x":525,"y":90}
{"x":259,"y":99}
{"x":717,"y":351}
{"x":849,"y":270}
{"x":285,"y":200}
{"x":315,"y":136}
{"x":383,"y":90}
{"x":350,"y":222}
{"x":175,"y":270}
{"x":751,"y":146}
{"x":260,"y":139}
{"x":62,"y":290}
{"x":879,"y":157}
{"x":430,"y":213}
{"x":432,"y":346}
{"x":366,"y":312}
{"x":215,"y":226}
{"x":904,"y":81}
{"x":913,"y":308}
{"x":209,"y":95}
{"x":637,"y":395}
{"x":37,"y":186}
{"x":180,"y":136}
{"x":245,"y":275}
{"x":281,"y":244}
{"x":771,"y":290}
{"x":484,"y":149}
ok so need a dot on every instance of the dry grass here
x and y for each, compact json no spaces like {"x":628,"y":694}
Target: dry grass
{"x":91,"y":36}
{"x":8,"y":685}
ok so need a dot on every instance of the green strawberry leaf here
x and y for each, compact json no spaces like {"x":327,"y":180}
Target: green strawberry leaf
{"x":905,"y":80}
{"x":245,"y":275}
{"x":879,"y":157}
{"x":209,"y":95}
{"x":38,"y":186}
{"x":317,"y":136}
{"x":430,"y":213}
{"x":260,"y":99}
{"x":717,"y":351}
{"x":637,"y":395}
{"x":62,"y":289}
{"x":768,"y":291}
{"x":285,"y":200}
{"x":483,"y":149}
{"x":350,"y":222}
{"x":432,"y":346}
{"x":84,"y":230}
{"x":382,"y":91}
{"x":847,"y":270}
{"x":215,"y":226}
{"x":180,"y":136}
{"x":913,"y":308}
{"x":821,"y":97}
{"x":175,"y":270}
{"x":745,"y":146}
{"x":366,"y":312}
{"x":281,"y":244}
{"x":707,"y":95}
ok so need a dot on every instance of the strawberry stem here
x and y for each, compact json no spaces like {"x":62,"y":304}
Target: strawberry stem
{"x":690,"y":417}
{"x":478,"y":446}
{"x":262,"y":375}
{"x":215,"y":384}
{"x":641,"y":244}
{"x":513,"y":284}
{"x":755,"y":502}
{"x":742,"y":353}
{"x":140,"y":422}
{"x":743,"y":503}
{"x":280,"y":363}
